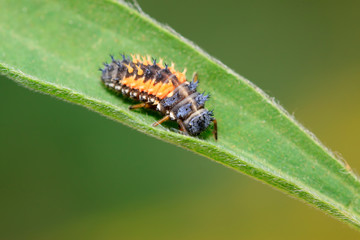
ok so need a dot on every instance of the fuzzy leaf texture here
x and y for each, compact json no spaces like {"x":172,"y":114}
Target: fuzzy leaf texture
{"x":56,"y":47}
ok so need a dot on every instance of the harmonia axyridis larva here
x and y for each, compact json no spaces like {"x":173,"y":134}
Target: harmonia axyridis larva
{"x":162,"y":88}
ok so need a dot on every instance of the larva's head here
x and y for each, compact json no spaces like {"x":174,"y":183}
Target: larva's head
{"x":197,"y":122}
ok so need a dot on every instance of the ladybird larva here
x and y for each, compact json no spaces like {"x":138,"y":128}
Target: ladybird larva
{"x":162,"y":88}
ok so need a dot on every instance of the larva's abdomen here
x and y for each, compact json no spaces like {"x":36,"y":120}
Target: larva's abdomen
{"x":154,"y":79}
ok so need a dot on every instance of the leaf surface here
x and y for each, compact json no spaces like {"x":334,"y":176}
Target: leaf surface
{"x":56,"y":47}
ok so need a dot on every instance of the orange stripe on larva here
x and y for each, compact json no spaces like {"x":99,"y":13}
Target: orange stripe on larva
{"x":146,"y":85}
{"x":151,"y":88}
{"x":156,"y":88}
{"x":127,"y":81}
{"x":180,"y":76}
{"x":165,"y":90}
{"x":139,"y":84}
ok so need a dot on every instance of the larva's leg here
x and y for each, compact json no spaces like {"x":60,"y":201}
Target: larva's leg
{"x":182,"y":127}
{"x":140,"y":105}
{"x":215,"y":132}
{"x":195,"y":77}
{"x":167,"y":117}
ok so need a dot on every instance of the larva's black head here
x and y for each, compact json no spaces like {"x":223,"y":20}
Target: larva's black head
{"x":198,"y":121}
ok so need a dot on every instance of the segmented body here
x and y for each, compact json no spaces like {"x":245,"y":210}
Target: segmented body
{"x":162,"y":88}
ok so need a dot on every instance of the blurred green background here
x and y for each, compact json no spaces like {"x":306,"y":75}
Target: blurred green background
{"x":68,"y":173}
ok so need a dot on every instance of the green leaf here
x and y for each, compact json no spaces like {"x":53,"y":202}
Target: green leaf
{"x":56,"y":47}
